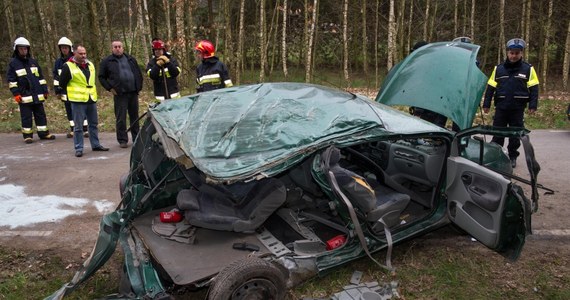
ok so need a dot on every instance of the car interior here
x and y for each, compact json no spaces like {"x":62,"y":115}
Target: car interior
{"x":393,"y":180}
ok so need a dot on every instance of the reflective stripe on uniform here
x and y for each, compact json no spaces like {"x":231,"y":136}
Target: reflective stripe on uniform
{"x":43,"y":81}
{"x":55,"y":82}
{"x":34,"y":71}
{"x":41,"y":97}
{"x":21,"y":72}
{"x":85,"y":123}
{"x":228,"y":83}
{"x":63,"y":97}
{"x":12,"y":84}
{"x":42,"y":128}
{"x":71,"y":123}
{"x":159,"y":98}
{"x":533,"y":78}
{"x":27,"y":99}
{"x":212,"y":79}
{"x":492,"y":81}
{"x":27,"y":130}
{"x":175,"y":95}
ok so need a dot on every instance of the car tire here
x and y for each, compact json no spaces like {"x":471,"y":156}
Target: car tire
{"x":251,"y":278}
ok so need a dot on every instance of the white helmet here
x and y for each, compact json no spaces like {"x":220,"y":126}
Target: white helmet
{"x":21,"y":41}
{"x":65,"y":42}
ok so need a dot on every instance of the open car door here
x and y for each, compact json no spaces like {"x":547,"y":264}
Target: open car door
{"x":488,"y":206}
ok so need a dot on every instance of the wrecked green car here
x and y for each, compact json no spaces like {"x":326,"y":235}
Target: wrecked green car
{"x":251,"y":190}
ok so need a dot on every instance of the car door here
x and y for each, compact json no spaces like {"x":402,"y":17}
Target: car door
{"x":487,"y":205}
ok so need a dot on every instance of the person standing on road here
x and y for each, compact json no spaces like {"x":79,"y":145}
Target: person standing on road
{"x":163,"y":69}
{"x":514,"y":86}
{"x":119,"y":73}
{"x":211,"y":73}
{"x":66,"y":53}
{"x":78,"y":81}
{"x":29,"y":88}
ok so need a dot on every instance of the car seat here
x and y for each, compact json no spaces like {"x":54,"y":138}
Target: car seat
{"x":206,"y":209}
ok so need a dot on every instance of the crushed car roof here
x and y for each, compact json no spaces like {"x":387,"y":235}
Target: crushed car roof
{"x":262,"y":129}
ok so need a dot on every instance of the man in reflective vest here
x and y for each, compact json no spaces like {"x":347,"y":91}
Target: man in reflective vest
{"x":78,"y":79}
{"x":29,"y":88}
{"x":514,"y":86}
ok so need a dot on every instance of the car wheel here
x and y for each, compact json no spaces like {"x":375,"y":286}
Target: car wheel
{"x":251,"y":278}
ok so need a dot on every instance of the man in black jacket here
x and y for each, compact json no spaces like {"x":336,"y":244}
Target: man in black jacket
{"x":514,"y":86}
{"x":29,"y":88}
{"x":163,"y":69}
{"x":119,"y":73}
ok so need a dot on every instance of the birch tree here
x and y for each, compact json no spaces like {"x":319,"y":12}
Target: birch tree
{"x":472,"y":20}
{"x":547,"y":33}
{"x":308,"y":71}
{"x":411,"y":20}
{"x":166,"y":4}
{"x":566,"y":62}
{"x":501,"y":53}
{"x":284,"y":40}
{"x":391,"y":36}
{"x":527,"y":22}
{"x":95,"y":29}
{"x":179,"y":44}
{"x":345,"y":40}
{"x":455,"y":10}
{"x":239,"y":59}
{"x":426,"y":21}
{"x":376,"y":46}
{"x":9,"y":14}
{"x":262,"y":41}
{"x":67,"y":19}
{"x":229,"y":45}
{"x":364,"y":39}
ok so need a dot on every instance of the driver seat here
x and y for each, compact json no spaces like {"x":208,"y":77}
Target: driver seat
{"x":376,"y":204}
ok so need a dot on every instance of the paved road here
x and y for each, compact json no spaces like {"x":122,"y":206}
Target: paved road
{"x":84,"y":188}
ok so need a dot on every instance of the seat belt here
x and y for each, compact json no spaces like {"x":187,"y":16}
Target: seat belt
{"x":358,"y":229}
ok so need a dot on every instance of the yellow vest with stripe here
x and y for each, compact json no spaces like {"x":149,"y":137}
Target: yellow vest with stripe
{"x":78,"y":89}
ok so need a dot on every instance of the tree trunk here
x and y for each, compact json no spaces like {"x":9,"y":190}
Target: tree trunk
{"x":308,"y":71}
{"x":501,"y":53}
{"x":426,"y":21}
{"x":364,"y":39}
{"x":527,"y":22}
{"x":189,"y":41}
{"x":547,"y":33}
{"x":376,"y":46}
{"x":46,"y":29}
{"x":472,"y":19}
{"x":391,"y":36}
{"x":566,"y":63}
{"x":284,"y":40}
{"x":67,"y":19}
{"x":262,"y":41}
{"x":305,"y":32}
{"x":228,"y":45}
{"x":179,"y":44}
{"x":106,"y":28}
{"x":141,"y":18}
{"x":8,"y":12}
{"x":166,"y":4}
{"x":273,"y":34}
{"x":523,"y":14}
{"x":432,"y":25}
{"x":411,"y":20}
{"x":464,"y":18}
{"x":345,"y":40}
{"x":401,"y":31}
{"x":455,"y":10}
{"x":95,"y":29}
{"x":240,"y":42}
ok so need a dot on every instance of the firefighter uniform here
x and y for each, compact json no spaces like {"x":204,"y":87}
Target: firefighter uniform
{"x":29,"y":88}
{"x":163,"y":69}
{"x":211,"y":74}
{"x":514,"y":86}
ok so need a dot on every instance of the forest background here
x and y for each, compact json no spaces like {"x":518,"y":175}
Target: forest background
{"x":346,"y":44}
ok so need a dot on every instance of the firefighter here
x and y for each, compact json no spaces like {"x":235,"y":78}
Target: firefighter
{"x":514,"y":86}
{"x":29,"y":88}
{"x":66,"y":53}
{"x":163,"y":69}
{"x":211,"y":73}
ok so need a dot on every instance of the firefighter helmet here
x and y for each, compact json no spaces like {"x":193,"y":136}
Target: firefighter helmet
{"x":516,"y":43}
{"x":158,"y":44}
{"x":21,"y":41}
{"x":206,"y":48}
{"x":65,"y":42}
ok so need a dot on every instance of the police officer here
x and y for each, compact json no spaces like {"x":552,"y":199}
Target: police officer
{"x":163,"y":69}
{"x":29,"y":88}
{"x":211,"y":73}
{"x":514,"y":86}
{"x":66,"y":53}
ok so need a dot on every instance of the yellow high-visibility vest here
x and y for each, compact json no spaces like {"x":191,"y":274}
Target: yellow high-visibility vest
{"x":78,"y":89}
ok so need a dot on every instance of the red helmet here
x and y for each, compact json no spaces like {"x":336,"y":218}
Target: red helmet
{"x":206,"y":48}
{"x":158,"y":44}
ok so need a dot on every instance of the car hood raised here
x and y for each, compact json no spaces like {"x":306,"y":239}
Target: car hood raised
{"x":262,"y":129}
{"x":442,"y":77}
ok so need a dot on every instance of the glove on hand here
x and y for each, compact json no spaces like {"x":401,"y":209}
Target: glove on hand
{"x":164,"y":58}
{"x":18,"y":98}
{"x":159,"y":62}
